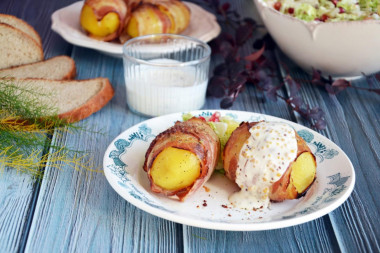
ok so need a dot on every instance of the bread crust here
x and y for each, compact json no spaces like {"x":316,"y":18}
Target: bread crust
{"x":93,"y":105}
{"x":68,"y":76}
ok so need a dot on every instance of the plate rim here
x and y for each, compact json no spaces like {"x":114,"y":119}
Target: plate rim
{"x":114,"y":49}
{"x":256,"y":226}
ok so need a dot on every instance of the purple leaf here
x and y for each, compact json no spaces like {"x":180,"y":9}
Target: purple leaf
{"x":239,"y":82}
{"x":259,"y":43}
{"x":221,"y":70}
{"x":216,"y":87}
{"x":294,"y":86}
{"x":226,"y":102}
{"x":317,"y":78}
{"x":269,"y":42}
{"x":271,"y":94}
{"x":316,"y":113}
{"x":297,"y":101}
{"x":320,"y":124}
{"x":236,"y":68}
{"x":243,"y":33}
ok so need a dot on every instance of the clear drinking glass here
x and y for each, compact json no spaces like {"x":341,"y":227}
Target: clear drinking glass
{"x":165,"y":73}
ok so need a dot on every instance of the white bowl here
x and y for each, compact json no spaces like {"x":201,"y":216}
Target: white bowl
{"x":344,"y":49}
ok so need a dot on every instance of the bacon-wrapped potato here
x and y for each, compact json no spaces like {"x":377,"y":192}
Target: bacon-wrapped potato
{"x":298,"y":172}
{"x":182,"y":158}
{"x":153,"y":17}
{"x":104,"y":19}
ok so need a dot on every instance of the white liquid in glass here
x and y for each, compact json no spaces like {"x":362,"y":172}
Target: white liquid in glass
{"x":156,"y":90}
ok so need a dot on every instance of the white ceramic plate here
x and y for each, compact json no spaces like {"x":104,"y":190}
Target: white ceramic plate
{"x":65,"y":22}
{"x":125,"y":156}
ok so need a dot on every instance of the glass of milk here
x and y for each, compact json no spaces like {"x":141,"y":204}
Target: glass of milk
{"x":165,"y":73}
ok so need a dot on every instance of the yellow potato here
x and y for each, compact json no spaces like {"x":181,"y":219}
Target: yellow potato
{"x":147,"y":19}
{"x":104,"y":19}
{"x":175,"y":168}
{"x":303,"y":172}
{"x":106,"y":26}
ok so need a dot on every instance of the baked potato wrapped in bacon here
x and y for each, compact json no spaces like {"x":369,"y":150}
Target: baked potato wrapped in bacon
{"x":182,"y":158}
{"x":269,"y":161}
{"x":104,"y":19}
{"x":158,"y":16}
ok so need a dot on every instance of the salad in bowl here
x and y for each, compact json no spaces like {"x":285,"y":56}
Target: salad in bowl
{"x":340,"y":38}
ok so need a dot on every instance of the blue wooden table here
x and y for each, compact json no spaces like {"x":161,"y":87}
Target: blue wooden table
{"x":78,"y":211}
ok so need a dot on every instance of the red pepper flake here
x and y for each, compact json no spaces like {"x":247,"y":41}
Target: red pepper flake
{"x":224,"y":206}
{"x":204,"y":204}
{"x":341,"y":10}
{"x":229,"y":215}
{"x":335,"y":2}
{"x":206,"y":188}
{"x":291,"y":10}
{"x":197,"y":206}
{"x":277,"y":6}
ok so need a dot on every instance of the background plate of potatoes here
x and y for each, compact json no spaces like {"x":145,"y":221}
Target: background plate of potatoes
{"x":66,"y":22}
{"x":209,"y":207}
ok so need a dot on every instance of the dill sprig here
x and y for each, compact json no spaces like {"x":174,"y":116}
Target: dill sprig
{"x":26,"y":128}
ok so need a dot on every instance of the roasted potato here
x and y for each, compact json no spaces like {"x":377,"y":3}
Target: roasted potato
{"x":182,"y":158}
{"x":104,"y":19}
{"x":298,"y":177}
{"x":153,"y":17}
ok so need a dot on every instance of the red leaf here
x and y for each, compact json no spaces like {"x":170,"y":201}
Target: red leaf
{"x":342,"y":83}
{"x":256,"y":55}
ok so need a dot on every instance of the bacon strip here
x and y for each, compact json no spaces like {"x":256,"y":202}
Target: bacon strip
{"x":194,"y":135}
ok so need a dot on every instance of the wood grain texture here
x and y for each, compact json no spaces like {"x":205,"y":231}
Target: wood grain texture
{"x":78,"y":211}
{"x":315,"y":236}
{"x":16,"y":196}
{"x":352,"y":123}
{"x":18,"y":191}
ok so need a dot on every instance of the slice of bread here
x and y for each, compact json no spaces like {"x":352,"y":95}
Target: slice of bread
{"x":74,"y":100}
{"x":17,"y":47}
{"x":21,"y":25}
{"x":56,"y":68}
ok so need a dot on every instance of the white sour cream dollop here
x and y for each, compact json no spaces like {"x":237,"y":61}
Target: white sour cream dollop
{"x":263,"y":159}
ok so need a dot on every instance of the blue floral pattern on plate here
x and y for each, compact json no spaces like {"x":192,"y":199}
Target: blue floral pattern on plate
{"x":119,"y":168}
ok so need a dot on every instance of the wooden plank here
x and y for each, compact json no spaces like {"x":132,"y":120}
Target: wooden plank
{"x":16,"y":195}
{"x":18,"y":192}
{"x":311,"y":237}
{"x":79,"y":211}
{"x":315,"y":236}
{"x":352,"y":123}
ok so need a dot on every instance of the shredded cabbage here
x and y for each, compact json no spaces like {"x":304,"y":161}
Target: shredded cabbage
{"x":328,"y":10}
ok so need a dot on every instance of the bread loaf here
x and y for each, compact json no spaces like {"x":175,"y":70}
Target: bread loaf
{"x":21,"y":25}
{"x":73,"y":100}
{"x":17,"y":47}
{"x":56,"y":68}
